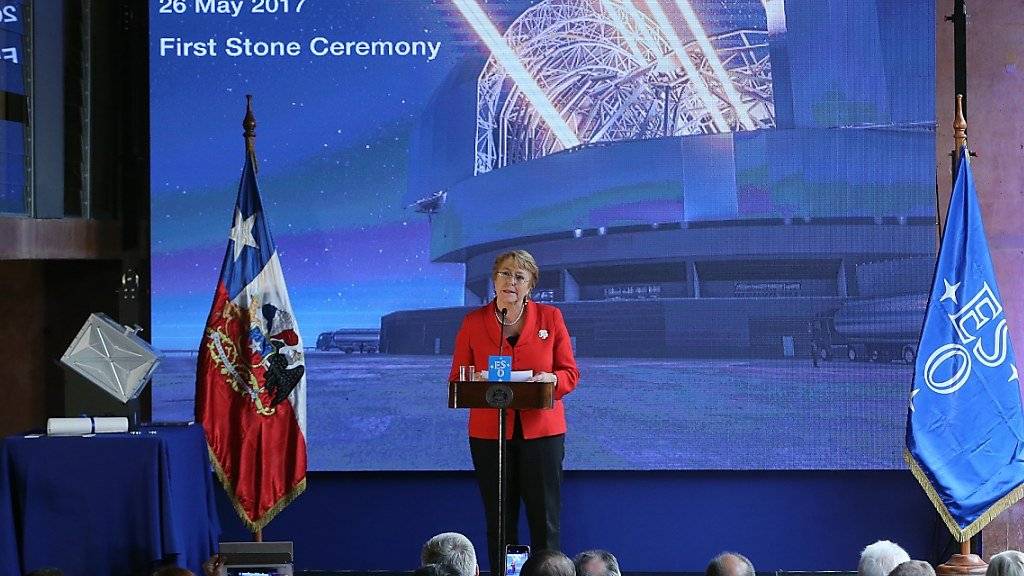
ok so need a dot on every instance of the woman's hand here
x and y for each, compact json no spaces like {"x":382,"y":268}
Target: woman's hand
{"x":543,"y":377}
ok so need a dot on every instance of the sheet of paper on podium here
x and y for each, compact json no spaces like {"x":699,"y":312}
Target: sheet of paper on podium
{"x":517,"y":375}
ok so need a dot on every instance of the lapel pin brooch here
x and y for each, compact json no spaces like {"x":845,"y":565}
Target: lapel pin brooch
{"x":543,"y":334}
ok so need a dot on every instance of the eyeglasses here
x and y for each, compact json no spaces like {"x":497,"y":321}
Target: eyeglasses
{"x":513,"y":278}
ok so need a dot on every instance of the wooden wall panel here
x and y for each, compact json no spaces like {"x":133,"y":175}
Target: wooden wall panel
{"x":22,"y":311}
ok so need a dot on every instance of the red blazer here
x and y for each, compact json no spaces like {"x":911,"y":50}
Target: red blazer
{"x":478,"y":338}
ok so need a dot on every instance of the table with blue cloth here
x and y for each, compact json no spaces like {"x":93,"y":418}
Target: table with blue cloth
{"x":110,"y":504}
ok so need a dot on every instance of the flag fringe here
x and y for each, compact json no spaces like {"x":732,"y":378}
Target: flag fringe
{"x":262,"y":521}
{"x":961,"y":534}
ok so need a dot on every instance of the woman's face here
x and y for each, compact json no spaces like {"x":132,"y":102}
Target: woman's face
{"x":511,"y":283}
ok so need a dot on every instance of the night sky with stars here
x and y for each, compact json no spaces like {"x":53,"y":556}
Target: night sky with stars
{"x":332,"y":145}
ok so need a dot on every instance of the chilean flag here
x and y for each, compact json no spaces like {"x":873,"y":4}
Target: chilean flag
{"x":251,"y":376}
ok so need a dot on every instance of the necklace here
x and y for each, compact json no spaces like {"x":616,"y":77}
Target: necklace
{"x":514,"y":322}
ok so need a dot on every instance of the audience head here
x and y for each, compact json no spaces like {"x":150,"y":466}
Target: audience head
{"x":548,"y":563}
{"x":729,"y":564}
{"x":1009,"y":563}
{"x":45,"y":572}
{"x":451,"y":550}
{"x":597,"y":563}
{"x":880,"y":558}
{"x":913,"y":568}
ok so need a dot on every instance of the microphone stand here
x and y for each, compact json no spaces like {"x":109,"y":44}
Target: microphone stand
{"x":501,"y":465}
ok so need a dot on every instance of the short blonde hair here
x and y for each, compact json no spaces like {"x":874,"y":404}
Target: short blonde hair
{"x":519,"y":259}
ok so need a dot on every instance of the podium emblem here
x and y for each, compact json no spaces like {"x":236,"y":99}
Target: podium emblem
{"x":499,"y":395}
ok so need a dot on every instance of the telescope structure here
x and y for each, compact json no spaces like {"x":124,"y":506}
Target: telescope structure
{"x":694,"y":178}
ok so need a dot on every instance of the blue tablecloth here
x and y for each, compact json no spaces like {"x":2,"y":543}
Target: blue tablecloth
{"x":108,"y":504}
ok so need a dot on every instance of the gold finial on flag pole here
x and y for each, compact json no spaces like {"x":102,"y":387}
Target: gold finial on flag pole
{"x":959,"y":129}
{"x":959,"y":142}
{"x":249,"y":127}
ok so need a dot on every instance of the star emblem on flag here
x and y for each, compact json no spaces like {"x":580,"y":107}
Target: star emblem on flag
{"x":241,"y":233}
{"x":950,"y":293}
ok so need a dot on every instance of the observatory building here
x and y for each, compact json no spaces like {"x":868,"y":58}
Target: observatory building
{"x":694,"y":178}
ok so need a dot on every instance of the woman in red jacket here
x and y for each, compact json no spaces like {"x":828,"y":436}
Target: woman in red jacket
{"x":537,"y":339}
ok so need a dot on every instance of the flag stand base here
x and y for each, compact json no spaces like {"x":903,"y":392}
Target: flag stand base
{"x":961,"y":565}
{"x":259,"y":557}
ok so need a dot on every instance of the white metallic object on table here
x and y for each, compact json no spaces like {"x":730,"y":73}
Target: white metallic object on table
{"x":112,"y":357}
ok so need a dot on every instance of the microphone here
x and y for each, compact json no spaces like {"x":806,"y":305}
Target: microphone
{"x":499,"y":368}
{"x":501,"y":336}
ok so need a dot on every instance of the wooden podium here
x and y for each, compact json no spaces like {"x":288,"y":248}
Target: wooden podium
{"x":524,"y":395}
{"x":499,"y":395}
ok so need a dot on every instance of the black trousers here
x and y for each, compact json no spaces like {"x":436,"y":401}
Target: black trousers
{"x":534,"y":476}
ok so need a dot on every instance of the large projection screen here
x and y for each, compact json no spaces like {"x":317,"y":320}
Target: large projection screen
{"x":715,"y":191}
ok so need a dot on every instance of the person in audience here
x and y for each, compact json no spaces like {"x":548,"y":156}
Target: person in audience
{"x":548,"y":563}
{"x":913,"y":568}
{"x":453,"y":550}
{"x":1009,"y":563}
{"x":597,"y":563}
{"x":729,"y":564}
{"x":45,"y":572}
{"x":880,"y":558}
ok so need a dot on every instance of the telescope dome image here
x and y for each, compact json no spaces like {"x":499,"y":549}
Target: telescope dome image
{"x":677,"y":164}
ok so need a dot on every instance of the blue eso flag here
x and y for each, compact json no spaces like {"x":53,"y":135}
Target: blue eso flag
{"x":965,"y":429}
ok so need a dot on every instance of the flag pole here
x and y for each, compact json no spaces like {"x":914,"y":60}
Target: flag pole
{"x":249,"y":133}
{"x":959,"y":20}
{"x":964,"y":562}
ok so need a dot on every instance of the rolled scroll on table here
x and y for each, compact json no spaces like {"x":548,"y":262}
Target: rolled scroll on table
{"x":80,"y":426}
